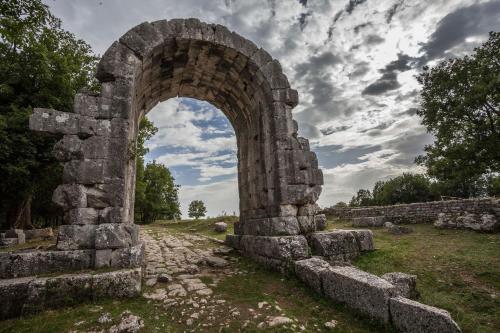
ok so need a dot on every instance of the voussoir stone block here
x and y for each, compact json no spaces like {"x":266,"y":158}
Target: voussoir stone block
{"x":412,"y":316}
{"x":116,"y":236}
{"x":359,"y":290}
{"x":118,"y":62}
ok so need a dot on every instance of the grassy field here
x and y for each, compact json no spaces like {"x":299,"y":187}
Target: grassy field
{"x":457,"y":270}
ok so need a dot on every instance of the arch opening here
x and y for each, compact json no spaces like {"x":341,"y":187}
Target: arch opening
{"x":278,"y":176}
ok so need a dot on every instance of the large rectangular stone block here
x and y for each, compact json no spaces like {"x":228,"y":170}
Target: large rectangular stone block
{"x":81,"y":216}
{"x":359,"y":290}
{"x":69,"y":196}
{"x":76,"y":237}
{"x":116,"y":235}
{"x":123,"y":283}
{"x":338,"y":245}
{"x":310,"y":272}
{"x":279,"y":247}
{"x":84,"y":172}
{"x":412,"y":316}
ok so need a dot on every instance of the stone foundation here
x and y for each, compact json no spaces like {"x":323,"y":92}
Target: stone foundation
{"x":373,"y":296}
{"x":481,"y":214}
{"x":30,"y":295}
{"x":22,"y":264}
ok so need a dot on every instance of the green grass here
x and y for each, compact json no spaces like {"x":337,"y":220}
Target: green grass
{"x":30,"y":244}
{"x":458,"y":270}
{"x":202,"y":226}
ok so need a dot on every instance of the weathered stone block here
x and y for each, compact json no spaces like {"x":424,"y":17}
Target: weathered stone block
{"x":128,"y":257}
{"x":87,"y":104}
{"x":320,"y":222}
{"x":339,"y":245}
{"x":220,"y":226}
{"x":372,"y":221}
{"x":359,"y":290}
{"x":118,"y":62}
{"x":69,"y":196}
{"x":113,"y":215}
{"x":310,"y":272}
{"x":16,"y":233}
{"x":75,"y":237}
{"x":116,"y":236}
{"x":13,"y":293}
{"x":280,"y":247}
{"x":411,"y":316}
{"x":110,"y":194}
{"x":103,"y":258}
{"x":84,"y":172}
{"x":286,"y":225}
{"x":306,"y":224}
{"x":81,"y":216}
{"x":68,"y":148}
{"x":233,"y":241}
{"x":68,"y":289}
{"x":364,"y":239}
{"x":39,"y":233}
{"x":406,"y":284}
{"x":123,"y":283}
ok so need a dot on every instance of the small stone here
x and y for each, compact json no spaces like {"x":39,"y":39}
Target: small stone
{"x":129,"y":324}
{"x":262,"y":304}
{"x":104,"y":318}
{"x":164,"y":278}
{"x":216,"y":262}
{"x":220,"y":227}
{"x":151,"y":282}
{"x":279,"y":321}
{"x":331,"y":324}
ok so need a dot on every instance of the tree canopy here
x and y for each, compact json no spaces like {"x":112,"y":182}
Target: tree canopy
{"x":460,"y":106}
{"x":156,"y":194}
{"x":41,"y":65}
{"x":197,"y":209}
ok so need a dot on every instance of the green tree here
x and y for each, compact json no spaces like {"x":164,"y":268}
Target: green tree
{"x":156,"y":194}
{"x":197,"y":209}
{"x":41,"y":65}
{"x":362,"y":198}
{"x":407,"y":188}
{"x":460,"y":106}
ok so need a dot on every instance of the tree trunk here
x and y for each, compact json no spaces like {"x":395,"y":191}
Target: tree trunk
{"x":19,"y":216}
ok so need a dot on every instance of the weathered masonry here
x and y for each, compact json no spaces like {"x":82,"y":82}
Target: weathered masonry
{"x":481,"y":214}
{"x":278,"y":176}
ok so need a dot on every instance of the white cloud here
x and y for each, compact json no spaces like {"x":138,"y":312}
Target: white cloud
{"x":362,"y":43}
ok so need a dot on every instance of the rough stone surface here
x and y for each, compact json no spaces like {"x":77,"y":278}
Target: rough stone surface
{"x":220,"y":226}
{"x":485,"y":222}
{"x":422,"y":212}
{"x":396,"y":229}
{"x":28,"y":295}
{"x":310,"y":272}
{"x":43,"y":233}
{"x":279,"y":181}
{"x":17,"y":234}
{"x":359,"y":290}
{"x":21,"y":264}
{"x":372,"y":221}
{"x":339,"y":245}
{"x":406,"y":284}
{"x":411,"y":316}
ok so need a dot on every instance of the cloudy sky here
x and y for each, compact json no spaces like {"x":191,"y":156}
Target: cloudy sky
{"x":353,"y":62}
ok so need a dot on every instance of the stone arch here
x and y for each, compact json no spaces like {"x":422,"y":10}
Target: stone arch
{"x":278,"y":176}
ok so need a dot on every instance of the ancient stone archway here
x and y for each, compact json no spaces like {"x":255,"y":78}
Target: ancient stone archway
{"x":278,"y":176}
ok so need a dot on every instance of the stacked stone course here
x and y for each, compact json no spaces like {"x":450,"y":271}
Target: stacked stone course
{"x":479,"y":214}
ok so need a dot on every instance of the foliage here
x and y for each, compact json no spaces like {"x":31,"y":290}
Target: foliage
{"x":407,"y":188}
{"x":197,"y":209}
{"x":156,"y":194}
{"x":340,"y":204}
{"x":362,"y":198}
{"x":460,"y":106}
{"x":41,"y":65}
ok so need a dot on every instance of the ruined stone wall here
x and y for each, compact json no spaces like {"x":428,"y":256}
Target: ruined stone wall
{"x":419,"y":212}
